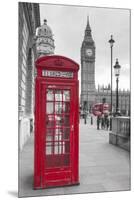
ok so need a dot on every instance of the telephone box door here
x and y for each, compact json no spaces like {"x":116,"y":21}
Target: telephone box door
{"x":58,"y":129}
{"x":59,"y":158}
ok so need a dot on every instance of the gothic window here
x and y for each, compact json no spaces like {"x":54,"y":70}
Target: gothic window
{"x":86,"y":67}
{"x":84,"y":87}
{"x":84,"y":76}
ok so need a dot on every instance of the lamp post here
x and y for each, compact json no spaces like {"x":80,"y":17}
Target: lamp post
{"x":111,"y":41}
{"x":117,"y":73}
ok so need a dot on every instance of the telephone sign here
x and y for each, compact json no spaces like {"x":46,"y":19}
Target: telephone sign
{"x":56,"y":149}
{"x":59,"y":74}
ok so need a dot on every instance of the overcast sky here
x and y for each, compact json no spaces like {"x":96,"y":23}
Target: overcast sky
{"x":68,"y":24}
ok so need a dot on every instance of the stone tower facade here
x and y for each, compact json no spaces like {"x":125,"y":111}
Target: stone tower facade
{"x":87,"y":69}
{"x":29,"y":20}
{"x":44,"y":40}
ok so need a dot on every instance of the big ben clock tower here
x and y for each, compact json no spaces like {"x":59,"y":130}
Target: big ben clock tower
{"x":87,"y":69}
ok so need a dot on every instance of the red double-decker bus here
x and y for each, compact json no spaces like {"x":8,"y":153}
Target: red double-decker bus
{"x":101,"y":108}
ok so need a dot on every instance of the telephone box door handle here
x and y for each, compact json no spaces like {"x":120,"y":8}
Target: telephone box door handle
{"x":72,"y":127}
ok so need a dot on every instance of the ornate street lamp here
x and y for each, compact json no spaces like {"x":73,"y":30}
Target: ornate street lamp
{"x":117,"y":73}
{"x":111,"y":41}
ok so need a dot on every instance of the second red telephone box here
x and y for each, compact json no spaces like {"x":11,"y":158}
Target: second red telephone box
{"x":56,"y":158}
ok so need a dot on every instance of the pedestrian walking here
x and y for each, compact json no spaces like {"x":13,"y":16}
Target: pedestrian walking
{"x":102,"y":122}
{"x":107,"y":122}
{"x":85,"y":117}
{"x":98,"y":122}
{"x":91,"y":120}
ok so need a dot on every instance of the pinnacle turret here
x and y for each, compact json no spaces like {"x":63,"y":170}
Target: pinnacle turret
{"x":88,"y":26}
{"x":88,"y":35}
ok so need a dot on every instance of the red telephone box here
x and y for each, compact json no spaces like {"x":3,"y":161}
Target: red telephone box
{"x":56,"y":158}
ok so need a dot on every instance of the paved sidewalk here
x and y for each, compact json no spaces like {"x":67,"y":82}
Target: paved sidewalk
{"x":103,"y":167}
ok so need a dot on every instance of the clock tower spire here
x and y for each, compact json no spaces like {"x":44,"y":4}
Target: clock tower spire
{"x":88,"y":29}
{"x":87,"y":69}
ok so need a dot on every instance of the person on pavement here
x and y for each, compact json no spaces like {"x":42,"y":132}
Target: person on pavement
{"x":98,"y":122}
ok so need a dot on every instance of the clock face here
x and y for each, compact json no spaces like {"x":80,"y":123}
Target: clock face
{"x":89,"y":52}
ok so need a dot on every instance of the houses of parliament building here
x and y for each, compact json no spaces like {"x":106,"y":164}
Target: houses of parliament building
{"x":91,"y":95}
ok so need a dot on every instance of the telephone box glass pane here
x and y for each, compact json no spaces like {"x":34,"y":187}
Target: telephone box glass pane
{"x":58,"y":95}
{"x":56,"y":145}
{"x":50,"y":108}
{"x":66,"y":133}
{"x":50,"y":121}
{"x":56,"y":137}
{"x":48,"y":148}
{"x":66,"y":95}
{"x":58,"y":128}
{"x":67,"y":147}
{"x":66,"y":107}
{"x":58,"y":134}
{"x":50,"y":95}
{"x":58,"y":107}
{"x":66,"y":120}
{"x":58,"y":120}
{"x":49,"y":135}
